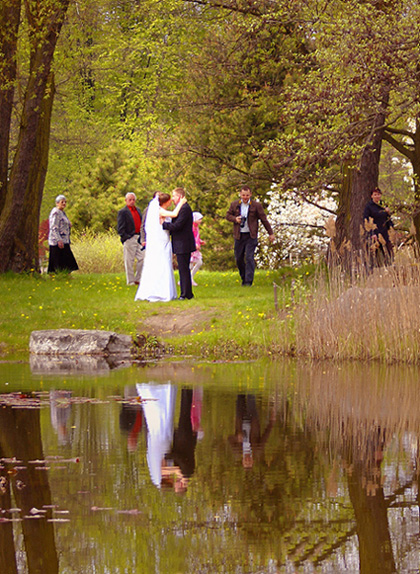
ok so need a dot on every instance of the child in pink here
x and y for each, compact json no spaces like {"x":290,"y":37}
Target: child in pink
{"x":196,"y":260}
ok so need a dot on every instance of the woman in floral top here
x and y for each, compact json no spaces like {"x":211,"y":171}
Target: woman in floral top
{"x":61,"y":257}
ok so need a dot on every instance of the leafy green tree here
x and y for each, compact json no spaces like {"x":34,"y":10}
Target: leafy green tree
{"x":228,"y":109}
{"x":98,"y":194}
{"x":28,"y":41}
{"x":343,"y":74}
{"x":362,"y":79}
{"x":119,"y":77}
{"x":406,"y":141}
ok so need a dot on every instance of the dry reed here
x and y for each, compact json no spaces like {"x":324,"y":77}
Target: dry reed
{"x":376,"y":316}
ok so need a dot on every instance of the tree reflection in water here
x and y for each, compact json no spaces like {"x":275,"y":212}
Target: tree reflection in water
{"x":364,"y":457}
{"x":357,"y":420}
{"x":20,"y":439}
{"x":285,"y":470}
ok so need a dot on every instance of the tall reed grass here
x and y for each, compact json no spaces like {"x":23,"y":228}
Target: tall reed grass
{"x":376,"y":316}
{"x":98,"y":252}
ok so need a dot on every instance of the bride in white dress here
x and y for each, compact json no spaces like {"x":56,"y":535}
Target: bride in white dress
{"x":157,"y":281}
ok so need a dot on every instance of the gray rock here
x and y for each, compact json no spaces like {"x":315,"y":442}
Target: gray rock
{"x":79,"y":342}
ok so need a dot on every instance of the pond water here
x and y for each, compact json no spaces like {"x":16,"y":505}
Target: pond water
{"x":177,"y":468}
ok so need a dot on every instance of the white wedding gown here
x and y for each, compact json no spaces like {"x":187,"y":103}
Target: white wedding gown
{"x":157,"y":281}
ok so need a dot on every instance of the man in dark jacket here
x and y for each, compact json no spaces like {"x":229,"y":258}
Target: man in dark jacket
{"x":377,"y":223}
{"x":245,"y":214}
{"x":183,"y":242}
{"x":128,"y":226}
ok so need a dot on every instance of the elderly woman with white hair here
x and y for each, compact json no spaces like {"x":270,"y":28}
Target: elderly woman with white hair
{"x":61,"y":257}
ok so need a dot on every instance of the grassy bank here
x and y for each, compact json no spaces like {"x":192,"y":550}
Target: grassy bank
{"x":224,"y":321}
{"x":376,"y":317}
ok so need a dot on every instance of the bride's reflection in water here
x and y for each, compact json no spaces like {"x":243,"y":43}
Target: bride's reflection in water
{"x":170,"y":451}
{"x":158,"y":403}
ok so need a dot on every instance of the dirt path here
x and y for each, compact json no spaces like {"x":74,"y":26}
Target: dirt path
{"x":180,"y":322}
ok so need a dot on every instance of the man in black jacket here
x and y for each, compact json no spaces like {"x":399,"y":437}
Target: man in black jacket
{"x":128,"y":226}
{"x":377,"y":223}
{"x":183,"y":242}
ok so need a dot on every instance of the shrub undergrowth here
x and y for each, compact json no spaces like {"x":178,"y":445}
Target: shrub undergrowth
{"x":98,"y":252}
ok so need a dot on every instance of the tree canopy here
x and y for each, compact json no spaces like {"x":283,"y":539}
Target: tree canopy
{"x":296,"y":97}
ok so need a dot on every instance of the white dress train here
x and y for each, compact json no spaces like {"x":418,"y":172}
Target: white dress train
{"x":157,"y":282}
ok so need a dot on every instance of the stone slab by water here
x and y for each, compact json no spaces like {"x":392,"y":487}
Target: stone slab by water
{"x":79,"y":342}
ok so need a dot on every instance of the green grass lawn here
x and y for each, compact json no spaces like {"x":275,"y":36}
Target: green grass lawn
{"x":224,"y":320}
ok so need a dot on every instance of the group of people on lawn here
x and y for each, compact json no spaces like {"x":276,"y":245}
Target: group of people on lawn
{"x":151,"y":238}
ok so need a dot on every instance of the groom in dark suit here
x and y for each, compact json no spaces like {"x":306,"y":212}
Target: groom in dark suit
{"x":183,"y":242}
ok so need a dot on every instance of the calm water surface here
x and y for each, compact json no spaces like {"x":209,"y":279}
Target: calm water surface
{"x":227,"y":468}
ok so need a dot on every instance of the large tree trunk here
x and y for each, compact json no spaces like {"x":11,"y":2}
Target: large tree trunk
{"x":19,"y":219}
{"x":414,"y":157}
{"x":24,"y":255}
{"x":358,"y":184}
{"x":9,"y":26}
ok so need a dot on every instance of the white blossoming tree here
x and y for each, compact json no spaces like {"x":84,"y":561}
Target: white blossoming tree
{"x":299,"y":228}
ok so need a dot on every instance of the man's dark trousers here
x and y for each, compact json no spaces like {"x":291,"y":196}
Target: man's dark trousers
{"x":244,"y":254}
{"x":185,"y":275}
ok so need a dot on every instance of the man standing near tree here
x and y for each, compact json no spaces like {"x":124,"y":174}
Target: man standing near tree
{"x":245,"y":214}
{"x":128,"y":226}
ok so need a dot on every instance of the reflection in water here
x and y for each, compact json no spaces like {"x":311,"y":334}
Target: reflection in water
{"x":369,"y":503}
{"x":248,"y":441}
{"x":48,"y":364}
{"x":131,"y":417}
{"x":20,"y":445}
{"x":181,"y":457}
{"x":360,"y":420}
{"x":299,"y":468}
{"x":170,"y":452}
{"x":60,"y":408}
{"x":196,"y":411}
{"x":158,"y":402}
